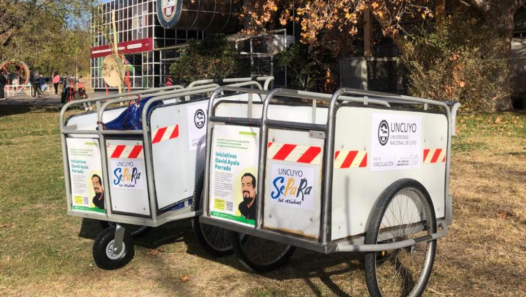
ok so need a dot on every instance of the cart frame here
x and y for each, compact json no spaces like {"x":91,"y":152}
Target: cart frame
{"x":159,"y":94}
{"x":327,"y":131}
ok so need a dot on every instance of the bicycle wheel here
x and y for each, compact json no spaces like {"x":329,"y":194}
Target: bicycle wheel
{"x":260,"y":255}
{"x":214,"y":240}
{"x":404,"y":211}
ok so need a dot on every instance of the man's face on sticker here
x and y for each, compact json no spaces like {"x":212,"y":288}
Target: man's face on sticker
{"x":97,"y":187}
{"x":247,"y":186}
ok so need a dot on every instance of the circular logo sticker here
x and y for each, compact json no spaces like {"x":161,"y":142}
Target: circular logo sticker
{"x":383,"y":132}
{"x":168,"y":7}
{"x":199,"y":118}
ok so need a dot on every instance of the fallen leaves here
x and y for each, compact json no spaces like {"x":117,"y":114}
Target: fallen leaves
{"x":154,"y":252}
{"x":185,"y":278}
{"x":504,"y":214}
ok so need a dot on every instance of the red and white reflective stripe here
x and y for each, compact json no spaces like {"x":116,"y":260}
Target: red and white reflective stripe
{"x":125,"y":151}
{"x":294,"y":153}
{"x":164,"y":134}
{"x":350,"y":159}
{"x":434,"y":156}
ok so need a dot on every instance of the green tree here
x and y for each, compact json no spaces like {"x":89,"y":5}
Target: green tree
{"x":308,"y":67}
{"x":446,"y":63}
{"x":210,"y":58}
{"x":46,"y":34}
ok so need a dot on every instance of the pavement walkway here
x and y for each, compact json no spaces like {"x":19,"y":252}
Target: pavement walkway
{"x":24,"y":100}
{"x":43,"y":101}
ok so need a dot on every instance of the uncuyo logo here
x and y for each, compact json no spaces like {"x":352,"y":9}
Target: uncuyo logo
{"x":383,"y":132}
{"x":199,"y":118}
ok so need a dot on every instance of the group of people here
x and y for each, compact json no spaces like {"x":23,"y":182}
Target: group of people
{"x":38,"y":83}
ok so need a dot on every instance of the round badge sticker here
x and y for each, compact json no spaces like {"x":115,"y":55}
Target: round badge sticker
{"x":383,"y":132}
{"x":168,"y":8}
{"x":199,"y":119}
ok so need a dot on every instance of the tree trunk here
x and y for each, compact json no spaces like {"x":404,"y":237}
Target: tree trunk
{"x":499,"y":15}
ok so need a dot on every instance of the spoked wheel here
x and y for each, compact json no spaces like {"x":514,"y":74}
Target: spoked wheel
{"x":103,"y":250}
{"x":404,"y":211}
{"x":134,"y":230}
{"x":214,"y":240}
{"x":260,"y":255}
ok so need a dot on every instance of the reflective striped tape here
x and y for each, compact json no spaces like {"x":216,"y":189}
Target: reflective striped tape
{"x":350,"y":159}
{"x":164,"y":134}
{"x":125,"y":151}
{"x":434,"y":156}
{"x":294,"y":153}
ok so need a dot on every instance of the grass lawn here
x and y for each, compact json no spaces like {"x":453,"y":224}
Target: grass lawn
{"x":44,"y":252}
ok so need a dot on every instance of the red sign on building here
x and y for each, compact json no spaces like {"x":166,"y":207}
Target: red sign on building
{"x":128,"y":47}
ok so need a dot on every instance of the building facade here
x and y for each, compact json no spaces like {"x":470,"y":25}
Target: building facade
{"x":148,"y":48}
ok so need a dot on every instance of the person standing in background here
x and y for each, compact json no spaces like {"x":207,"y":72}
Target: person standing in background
{"x":42,"y":84}
{"x":33,"y":79}
{"x":3,"y":82}
{"x":56,"y":81}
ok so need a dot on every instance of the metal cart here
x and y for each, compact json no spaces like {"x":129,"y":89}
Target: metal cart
{"x":355,"y":171}
{"x":134,"y":179}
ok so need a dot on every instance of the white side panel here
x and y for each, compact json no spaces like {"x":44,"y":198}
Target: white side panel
{"x":178,"y":135}
{"x":356,"y":187}
{"x":175,"y":166}
{"x":128,"y":182}
{"x":293,"y":183}
{"x":89,"y":121}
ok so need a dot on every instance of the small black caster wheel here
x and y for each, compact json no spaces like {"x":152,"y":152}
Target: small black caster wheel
{"x":103,"y":250}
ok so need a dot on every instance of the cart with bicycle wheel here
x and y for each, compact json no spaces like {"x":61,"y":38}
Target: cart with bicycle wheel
{"x":137,"y":166}
{"x":355,"y":171}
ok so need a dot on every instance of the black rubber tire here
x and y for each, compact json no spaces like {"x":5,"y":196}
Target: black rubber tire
{"x":104,"y":242}
{"x":377,"y":264}
{"x":241,"y":243}
{"x":215,"y":240}
{"x":134,"y":230}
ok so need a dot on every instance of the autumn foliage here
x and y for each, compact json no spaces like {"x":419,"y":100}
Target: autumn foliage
{"x":322,"y":16}
{"x":446,"y":63}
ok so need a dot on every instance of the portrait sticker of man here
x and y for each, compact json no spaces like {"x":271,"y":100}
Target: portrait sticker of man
{"x":98,"y":200}
{"x":248,"y":188}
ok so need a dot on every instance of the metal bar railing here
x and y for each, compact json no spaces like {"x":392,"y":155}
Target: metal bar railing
{"x":100,"y":98}
{"x":266,"y":79}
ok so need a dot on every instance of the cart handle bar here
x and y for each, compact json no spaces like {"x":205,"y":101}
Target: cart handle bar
{"x":134,"y":93}
{"x":291,"y":94}
{"x":201,"y":89}
{"x":166,"y":96}
{"x":178,"y":93}
{"x":266,"y":79}
{"x":100,"y":98}
{"x":346,"y":247}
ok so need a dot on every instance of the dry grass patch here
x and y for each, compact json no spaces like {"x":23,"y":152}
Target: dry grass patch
{"x":44,"y":252}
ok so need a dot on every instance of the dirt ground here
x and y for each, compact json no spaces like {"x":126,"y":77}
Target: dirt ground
{"x":44,"y":252}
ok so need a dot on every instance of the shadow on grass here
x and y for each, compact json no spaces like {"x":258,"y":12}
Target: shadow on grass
{"x":9,"y":110}
{"x":304,"y":264}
